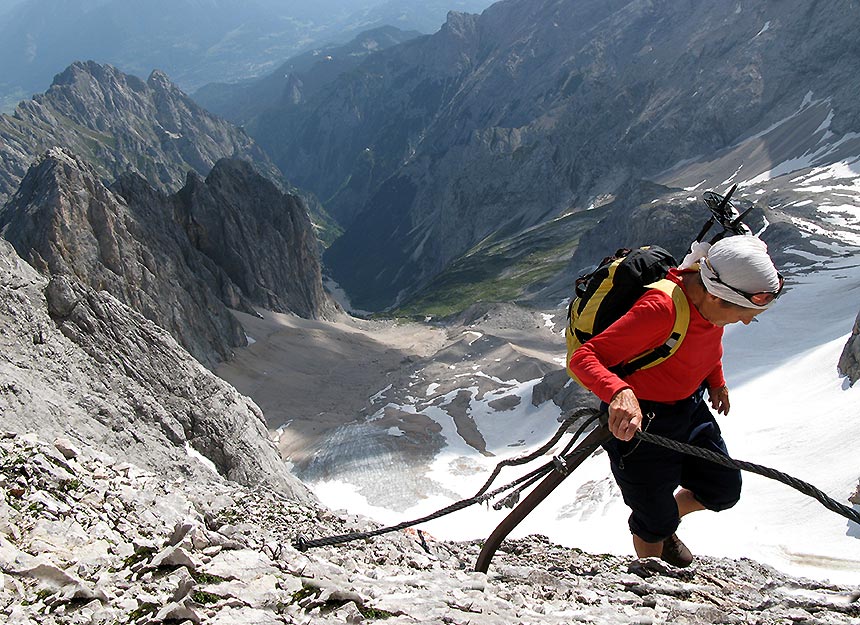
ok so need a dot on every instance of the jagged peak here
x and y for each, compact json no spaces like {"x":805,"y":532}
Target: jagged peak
{"x":102,"y":73}
{"x":57,"y":171}
{"x":61,"y":163}
{"x":72,"y":73}
{"x":460,"y":24}
{"x":237,"y":167}
{"x":159,"y":79}
{"x":63,"y":155}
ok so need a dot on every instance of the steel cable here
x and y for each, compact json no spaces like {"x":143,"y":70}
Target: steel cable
{"x":525,"y":481}
{"x":726,"y":461}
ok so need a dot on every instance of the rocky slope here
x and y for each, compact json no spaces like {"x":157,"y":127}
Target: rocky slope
{"x":86,"y":538}
{"x":120,"y":123}
{"x":505,"y":121}
{"x":77,"y":363}
{"x":849,"y":362}
{"x":232,"y":240}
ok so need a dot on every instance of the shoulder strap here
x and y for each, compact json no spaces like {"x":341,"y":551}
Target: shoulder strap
{"x":657,"y":355}
{"x":582,"y":311}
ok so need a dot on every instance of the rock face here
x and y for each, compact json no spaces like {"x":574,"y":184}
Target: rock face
{"x":120,"y":123}
{"x":233,"y":240}
{"x":78,"y":363}
{"x":65,"y":222}
{"x":849,"y":362}
{"x":80,"y":543}
{"x":485,"y":128}
{"x":261,"y":238}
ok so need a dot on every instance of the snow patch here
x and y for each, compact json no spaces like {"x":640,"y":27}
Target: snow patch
{"x":193,"y":453}
{"x":764,"y":29}
{"x":375,"y":398}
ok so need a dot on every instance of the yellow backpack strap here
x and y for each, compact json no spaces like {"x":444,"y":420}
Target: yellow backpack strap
{"x":581,"y":319}
{"x":659,"y":354}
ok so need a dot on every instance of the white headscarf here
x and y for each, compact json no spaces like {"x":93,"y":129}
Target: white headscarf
{"x":740,"y":261}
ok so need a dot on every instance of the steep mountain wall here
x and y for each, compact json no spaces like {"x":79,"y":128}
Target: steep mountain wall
{"x":232,"y":240}
{"x":76,"y":362}
{"x":260,"y":237}
{"x":849,"y":362}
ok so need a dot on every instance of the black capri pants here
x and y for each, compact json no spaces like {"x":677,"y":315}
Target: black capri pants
{"x":648,"y":475}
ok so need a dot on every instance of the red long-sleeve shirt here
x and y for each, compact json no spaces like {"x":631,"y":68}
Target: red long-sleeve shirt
{"x":645,"y":326}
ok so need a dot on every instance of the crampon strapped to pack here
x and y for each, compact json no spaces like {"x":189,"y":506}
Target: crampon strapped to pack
{"x":723,"y":213}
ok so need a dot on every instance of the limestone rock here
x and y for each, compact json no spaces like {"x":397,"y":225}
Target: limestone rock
{"x":393,"y":577}
{"x":849,"y":361}
{"x":106,"y":373}
{"x":174,"y":556}
{"x":131,"y":243}
{"x":65,"y":447}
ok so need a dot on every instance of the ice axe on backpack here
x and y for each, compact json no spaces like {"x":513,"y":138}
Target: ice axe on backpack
{"x":723,"y":213}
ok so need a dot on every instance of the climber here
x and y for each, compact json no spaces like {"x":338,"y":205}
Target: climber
{"x":733,"y":282}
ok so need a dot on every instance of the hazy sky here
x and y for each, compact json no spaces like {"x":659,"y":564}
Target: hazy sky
{"x":194,"y":41}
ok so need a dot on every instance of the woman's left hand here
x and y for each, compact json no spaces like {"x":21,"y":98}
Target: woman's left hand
{"x":720,"y":399}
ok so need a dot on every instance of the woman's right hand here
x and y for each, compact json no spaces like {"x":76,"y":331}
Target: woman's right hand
{"x":625,"y":415}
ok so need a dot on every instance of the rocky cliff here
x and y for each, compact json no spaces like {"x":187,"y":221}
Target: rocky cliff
{"x":501,"y":122}
{"x":120,"y":123}
{"x":232,"y":240}
{"x":78,"y":363}
{"x":260,"y":237}
{"x":849,"y":362}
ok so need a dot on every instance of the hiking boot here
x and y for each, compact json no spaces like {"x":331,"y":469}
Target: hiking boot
{"x":675,"y":552}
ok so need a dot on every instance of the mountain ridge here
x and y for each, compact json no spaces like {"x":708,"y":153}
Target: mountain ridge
{"x":121,"y":123}
{"x":179,"y":260}
{"x":293,"y":80}
{"x":511,"y":127}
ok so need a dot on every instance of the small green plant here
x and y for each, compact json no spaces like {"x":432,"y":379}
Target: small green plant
{"x":44,"y":593}
{"x":36,"y":507}
{"x":140,"y":611}
{"x":374,"y":613}
{"x":67,"y":486}
{"x":202,"y":597}
{"x":140,"y":554}
{"x":302,"y":594}
{"x":206,"y":578}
